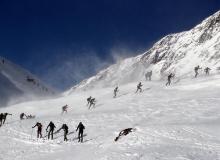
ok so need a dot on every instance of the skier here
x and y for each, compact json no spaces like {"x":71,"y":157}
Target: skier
{"x":139,"y":87}
{"x":1,"y":119}
{"x":115,"y":91}
{"x":52,"y":127}
{"x":22,"y":115}
{"x":88,"y":100}
{"x":124,"y":133}
{"x":65,"y":129}
{"x":148,"y":75}
{"x":92,"y":102}
{"x":39,"y":129}
{"x":170,"y":76}
{"x":5,"y":116}
{"x":196,"y":69}
{"x":81,"y":128}
{"x":64,"y":109}
{"x":206,"y":70}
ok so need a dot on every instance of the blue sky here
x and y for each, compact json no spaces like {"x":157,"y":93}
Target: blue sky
{"x":66,"y":41}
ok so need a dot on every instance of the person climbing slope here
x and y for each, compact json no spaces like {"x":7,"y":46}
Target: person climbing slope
{"x":139,"y":87}
{"x":1,"y":119}
{"x":81,"y":128}
{"x":88,"y":100}
{"x":115,"y":91}
{"x":39,"y":129}
{"x":64,"y":109}
{"x":169,"y":77}
{"x":65,"y":129}
{"x":92,"y":102}
{"x":51,"y":127}
{"x":148,"y":76}
{"x":206,"y":70}
{"x":5,"y":116}
{"x":196,"y":70}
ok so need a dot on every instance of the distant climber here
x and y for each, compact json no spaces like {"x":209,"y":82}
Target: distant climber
{"x":81,"y":128}
{"x":139,"y":87}
{"x":196,"y":69}
{"x":206,"y":70}
{"x":169,"y":77}
{"x":88,"y":100}
{"x":3,"y":61}
{"x":22,"y":115}
{"x":65,"y":129}
{"x":51,"y":127}
{"x":124,"y":133}
{"x":39,"y":129}
{"x":115,"y":91}
{"x":5,"y":116}
{"x":64,"y":109}
{"x":156,"y":57}
{"x":92,"y":102}
{"x":148,"y":76}
{"x":30,"y":80}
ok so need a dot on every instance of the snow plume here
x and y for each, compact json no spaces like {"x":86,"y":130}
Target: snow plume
{"x":74,"y":66}
{"x":70,"y":68}
{"x":121,"y":52}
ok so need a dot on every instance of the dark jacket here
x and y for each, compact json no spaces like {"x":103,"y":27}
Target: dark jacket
{"x":51,"y":125}
{"x":80,"y":127}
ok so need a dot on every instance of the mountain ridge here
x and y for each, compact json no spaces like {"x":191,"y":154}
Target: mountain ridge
{"x":18,"y":84}
{"x":178,"y":53}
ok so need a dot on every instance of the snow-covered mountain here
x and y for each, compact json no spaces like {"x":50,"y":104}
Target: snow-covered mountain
{"x":17,"y":84}
{"x":177,"y":53}
{"x":180,"y":122}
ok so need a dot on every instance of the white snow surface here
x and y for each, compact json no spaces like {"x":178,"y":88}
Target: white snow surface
{"x":179,"y":122}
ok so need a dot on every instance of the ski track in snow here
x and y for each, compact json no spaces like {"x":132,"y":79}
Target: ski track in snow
{"x":180,"y":122}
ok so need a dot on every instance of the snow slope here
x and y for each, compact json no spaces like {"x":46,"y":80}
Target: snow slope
{"x":180,"y":122}
{"x":178,"y":53}
{"x":15,"y":86}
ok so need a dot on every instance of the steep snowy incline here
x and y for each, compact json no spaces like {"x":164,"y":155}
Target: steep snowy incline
{"x":17,"y":84}
{"x":180,"y":122}
{"x":178,"y":53}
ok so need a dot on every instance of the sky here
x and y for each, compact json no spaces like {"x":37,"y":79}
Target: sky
{"x":64,"y":42}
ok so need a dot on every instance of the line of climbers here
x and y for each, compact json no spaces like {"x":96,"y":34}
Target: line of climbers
{"x":51,"y":130}
{"x":90,"y":102}
{"x":197,"y":68}
{"x":148,"y":75}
